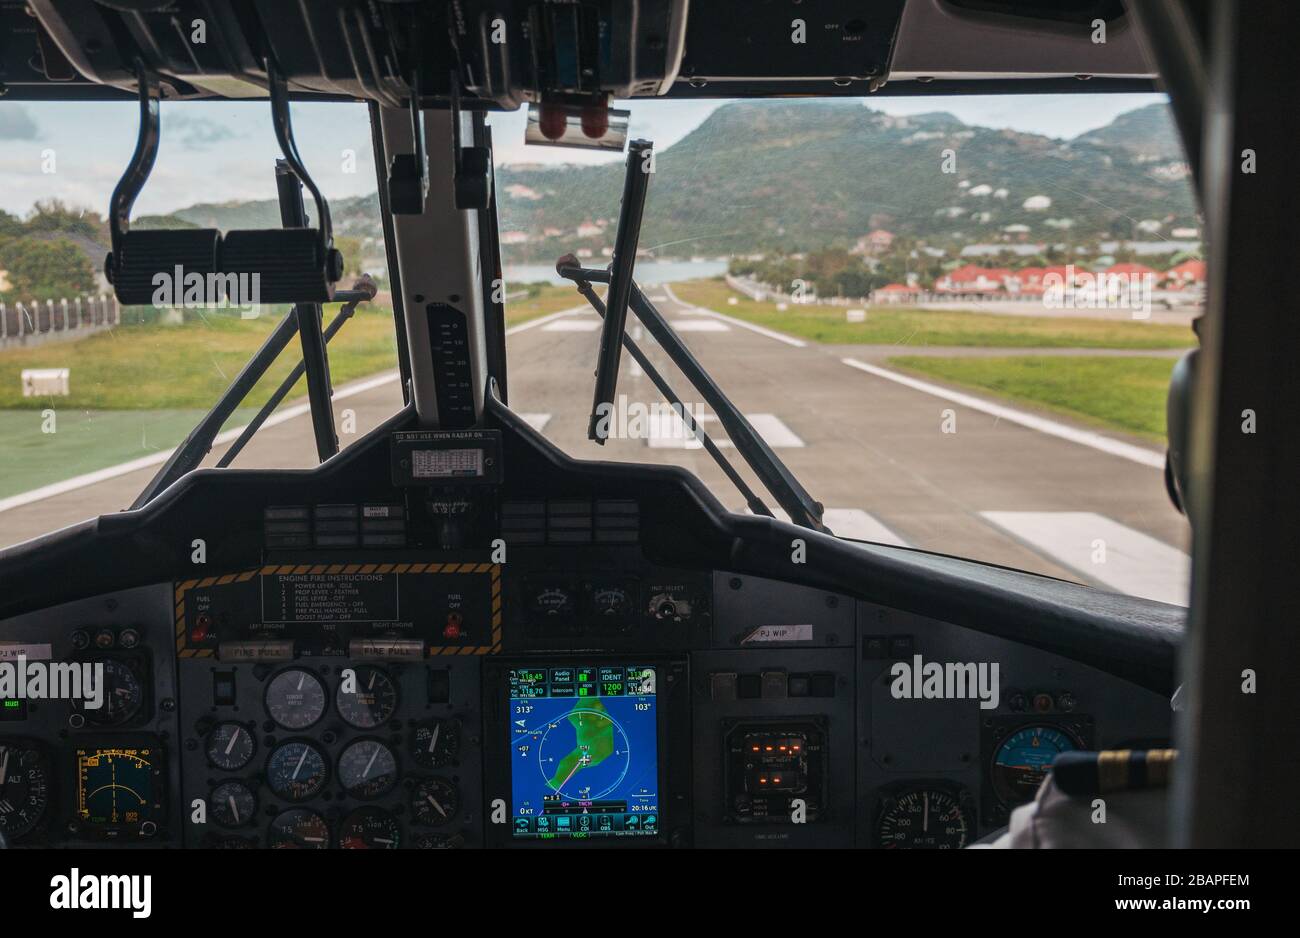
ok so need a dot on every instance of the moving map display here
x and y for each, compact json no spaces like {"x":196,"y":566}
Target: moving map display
{"x":584,"y":752}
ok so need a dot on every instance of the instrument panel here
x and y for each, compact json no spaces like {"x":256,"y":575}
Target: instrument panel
{"x":523,"y":664}
{"x":396,"y":706}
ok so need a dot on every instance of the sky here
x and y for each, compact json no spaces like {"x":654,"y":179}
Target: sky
{"x":224,"y":151}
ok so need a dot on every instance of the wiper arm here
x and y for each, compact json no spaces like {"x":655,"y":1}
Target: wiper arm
{"x":774,"y":474}
{"x":688,"y":419}
{"x":198,"y":443}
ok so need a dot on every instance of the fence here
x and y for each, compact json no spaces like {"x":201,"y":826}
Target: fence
{"x":36,"y":321}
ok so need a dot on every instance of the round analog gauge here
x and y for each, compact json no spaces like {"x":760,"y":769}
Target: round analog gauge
{"x":370,"y":829}
{"x":296,"y":771}
{"x":367,"y":769}
{"x":24,"y":788}
{"x":369,"y":700}
{"x":233,"y":804}
{"x":610,"y":601}
{"x":435,"y":802}
{"x":298,"y":829}
{"x":1023,"y":758}
{"x":552,"y":602}
{"x":295,"y":699}
{"x":923,"y":819}
{"x":230,"y":746}
{"x":123,"y":696}
{"x":435,"y":743}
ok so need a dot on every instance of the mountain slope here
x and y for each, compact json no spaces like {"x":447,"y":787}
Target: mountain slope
{"x":802,"y":175}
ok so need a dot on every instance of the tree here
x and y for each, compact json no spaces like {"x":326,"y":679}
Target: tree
{"x":44,"y":270}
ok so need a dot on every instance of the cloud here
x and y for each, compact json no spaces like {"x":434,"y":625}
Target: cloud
{"x":16,"y":123}
{"x":193,"y":132}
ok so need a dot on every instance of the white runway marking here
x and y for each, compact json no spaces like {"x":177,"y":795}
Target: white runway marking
{"x":1134,"y":563}
{"x":700,"y":325}
{"x":669,"y":432}
{"x":542,"y":320}
{"x":572,"y":324}
{"x":853,"y":523}
{"x":860,"y":526}
{"x":1087,"y":438}
{"x":769,"y":333}
{"x":772,"y":429}
{"x":537,"y":421}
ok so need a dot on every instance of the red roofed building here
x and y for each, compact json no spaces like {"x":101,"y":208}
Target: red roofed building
{"x":895,"y":293}
{"x":970,"y":278}
{"x":1131,"y":270}
{"x":1188,"y":273}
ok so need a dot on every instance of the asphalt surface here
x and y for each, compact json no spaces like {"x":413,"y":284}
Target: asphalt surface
{"x":1009,"y":486}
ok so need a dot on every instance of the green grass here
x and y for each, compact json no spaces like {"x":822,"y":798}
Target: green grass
{"x":1118,"y":393}
{"x":551,"y":299}
{"x":187,"y":366}
{"x":889,"y":325}
{"x":170,"y":367}
{"x":86,"y":440}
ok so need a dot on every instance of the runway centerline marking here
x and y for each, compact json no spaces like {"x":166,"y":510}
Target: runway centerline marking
{"x":1104,"y":444}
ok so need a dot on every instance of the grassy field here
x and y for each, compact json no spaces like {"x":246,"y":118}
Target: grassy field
{"x":163,"y":367}
{"x":888,"y":325}
{"x":1125,"y":394}
{"x":550,"y":299}
{"x":86,"y":440}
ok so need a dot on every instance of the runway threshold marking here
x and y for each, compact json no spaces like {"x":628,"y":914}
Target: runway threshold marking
{"x":1104,"y":444}
{"x":1103,"y":551}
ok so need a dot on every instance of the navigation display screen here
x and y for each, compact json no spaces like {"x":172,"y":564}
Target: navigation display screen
{"x":584,"y":752}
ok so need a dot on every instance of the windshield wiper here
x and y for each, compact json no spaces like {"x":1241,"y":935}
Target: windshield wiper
{"x":776,"y":477}
{"x":198,"y":443}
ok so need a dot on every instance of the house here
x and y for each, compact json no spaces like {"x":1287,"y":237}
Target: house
{"x":876,"y":242}
{"x":514,"y":237}
{"x":895,"y":293}
{"x":1188,"y":273}
{"x":588,"y":230}
{"x":970,"y":278}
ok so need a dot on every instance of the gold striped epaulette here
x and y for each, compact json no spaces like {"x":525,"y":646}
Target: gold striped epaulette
{"x":1088,"y":774}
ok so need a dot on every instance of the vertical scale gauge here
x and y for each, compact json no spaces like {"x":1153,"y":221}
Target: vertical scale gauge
{"x":24,"y":788}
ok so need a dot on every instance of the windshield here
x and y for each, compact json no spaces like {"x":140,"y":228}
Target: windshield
{"x":94,"y":395}
{"x":953,"y":319}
